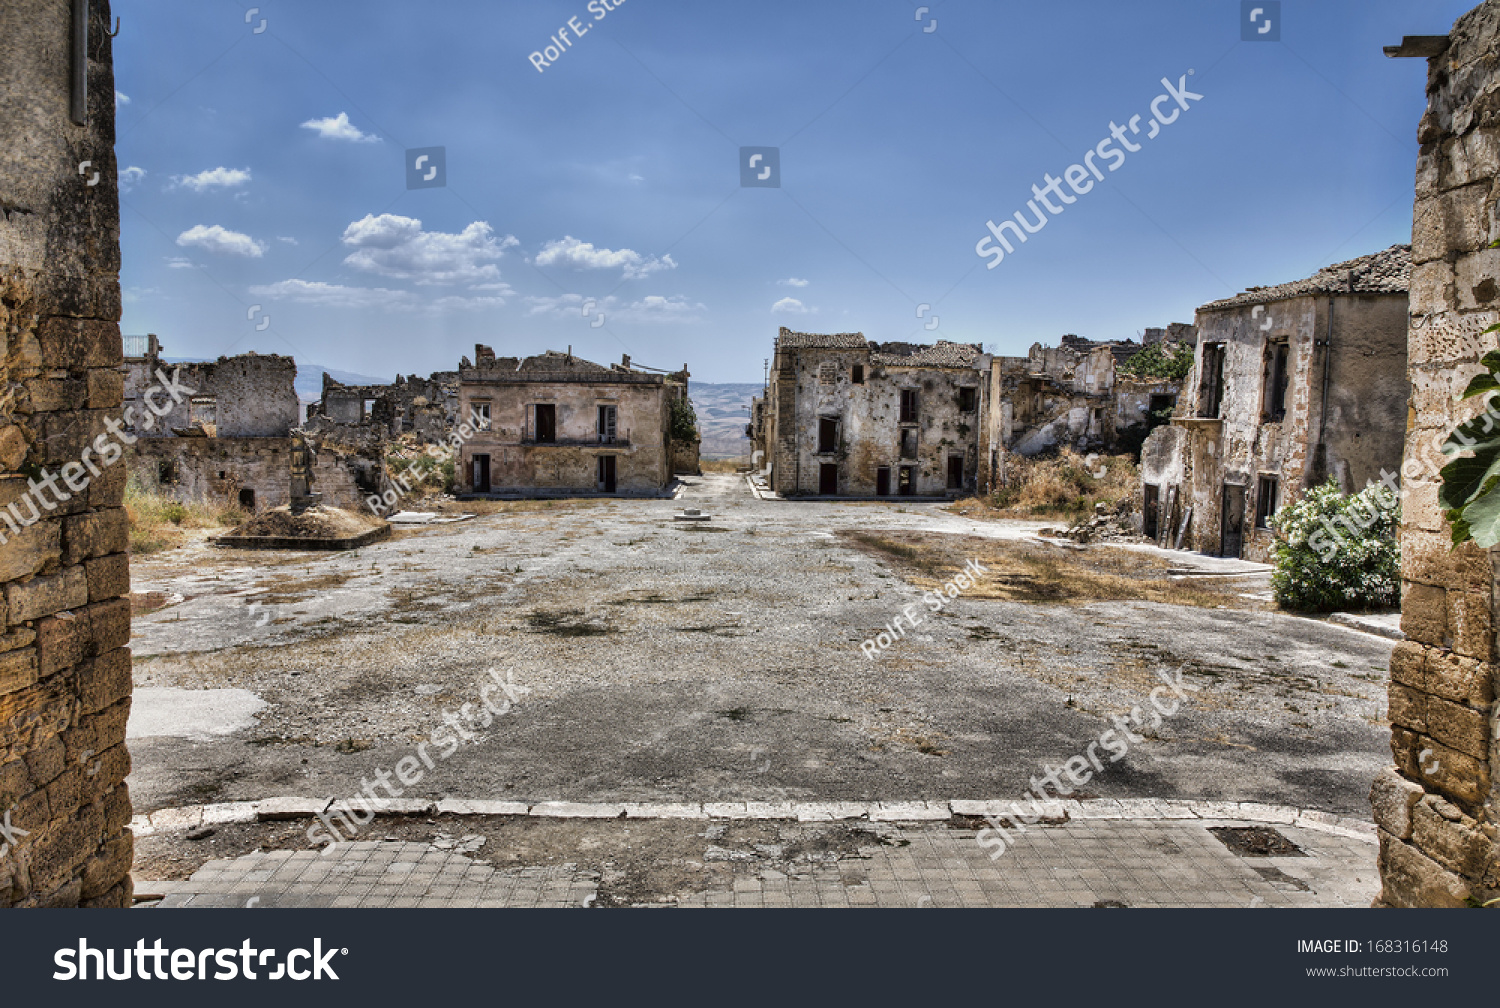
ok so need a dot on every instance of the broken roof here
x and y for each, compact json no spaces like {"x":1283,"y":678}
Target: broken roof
{"x":789,"y":340}
{"x":940,"y":354}
{"x":555,"y":361}
{"x":1385,"y":272}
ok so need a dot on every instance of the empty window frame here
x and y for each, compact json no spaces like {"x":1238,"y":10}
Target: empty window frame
{"x":1265,"y":501}
{"x":1274,"y":395}
{"x":828,"y":373}
{"x":606,"y":424}
{"x":481,"y":416}
{"x":909,"y":405}
{"x":968,"y":400}
{"x":544,"y":422}
{"x":908,"y":442}
{"x":1211,"y":380}
{"x":857,"y":374}
{"x":828,"y":435}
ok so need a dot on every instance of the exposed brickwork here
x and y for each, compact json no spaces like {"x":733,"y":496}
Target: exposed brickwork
{"x":1437,"y":809}
{"x":64,"y":621}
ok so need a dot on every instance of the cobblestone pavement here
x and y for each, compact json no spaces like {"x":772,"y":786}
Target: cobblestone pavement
{"x":1081,"y":863}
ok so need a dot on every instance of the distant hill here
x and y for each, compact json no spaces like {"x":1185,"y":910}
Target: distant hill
{"x":309,"y":383}
{"x":723,"y":411}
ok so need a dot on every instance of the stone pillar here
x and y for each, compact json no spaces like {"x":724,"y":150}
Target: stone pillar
{"x":64,"y":576}
{"x":1436,"y":809}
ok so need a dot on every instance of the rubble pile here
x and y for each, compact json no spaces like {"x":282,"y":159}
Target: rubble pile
{"x":1108,"y":523}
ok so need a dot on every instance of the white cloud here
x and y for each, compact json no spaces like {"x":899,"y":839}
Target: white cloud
{"x":179,"y":262}
{"x":213,"y":178}
{"x":121,"y":99}
{"x":289,"y":241}
{"x":397,"y":247}
{"x":339,"y":128}
{"x":793,"y":282}
{"x":792,"y":306}
{"x":214,"y":238}
{"x":129,"y":177}
{"x":569,"y":251}
{"x":327,"y":295}
{"x":652,"y":308}
{"x":315,"y":292}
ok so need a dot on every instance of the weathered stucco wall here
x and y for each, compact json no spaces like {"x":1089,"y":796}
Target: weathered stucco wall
{"x":1437,"y":809}
{"x":64,"y":662}
{"x":521,"y":465}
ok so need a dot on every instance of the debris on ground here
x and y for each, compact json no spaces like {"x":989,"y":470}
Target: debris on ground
{"x":1108,"y":523}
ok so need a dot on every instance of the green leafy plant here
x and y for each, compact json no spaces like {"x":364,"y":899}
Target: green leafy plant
{"x":1155,"y":362}
{"x":684,"y":420}
{"x":1468,"y":494}
{"x":1337,"y":550}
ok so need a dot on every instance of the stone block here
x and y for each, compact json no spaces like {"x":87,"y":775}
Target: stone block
{"x":1412,"y":879}
{"x":108,"y":489}
{"x":117,"y":809}
{"x":31,"y":812}
{"x":46,"y":758}
{"x":1474,"y":280}
{"x":177,"y":818}
{"x":1407,"y":707}
{"x":830,"y":811}
{"x":664,"y":810}
{"x":578,"y":810}
{"x":1462,"y":680}
{"x":275,"y":809}
{"x":1458,"y":727}
{"x":14,"y":782}
{"x":80,"y":343}
{"x":455,"y":806}
{"x":105,"y":680}
{"x":1431,"y":287}
{"x":95,"y":534}
{"x":1392,"y":798}
{"x":1409,"y":665}
{"x":106,"y":388}
{"x":1469,"y":623}
{"x":47,"y":594}
{"x":912,"y":811}
{"x":114,"y":767}
{"x":64,"y":438}
{"x":31,"y":549}
{"x":108,"y":725}
{"x":17,"y":669}
{"x":219,"y":813}
{"x":1456,"y":845}
{"x":108,"y":576}
{"x":109,"y":866}
{"x":52,"y":394}
{"x":1424,"y":614}
{"x":66,"y":791}
{"x":1439,"y":768}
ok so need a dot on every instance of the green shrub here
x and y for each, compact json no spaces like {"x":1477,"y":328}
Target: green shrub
{"x":1337,"y":550}
{"x":684,"y":420}
{"x":1155,"y":362}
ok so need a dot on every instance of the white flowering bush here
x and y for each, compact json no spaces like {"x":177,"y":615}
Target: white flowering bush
{"x":1337,"y":550}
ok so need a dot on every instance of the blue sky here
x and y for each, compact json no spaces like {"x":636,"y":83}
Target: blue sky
{"x":268,"y":168}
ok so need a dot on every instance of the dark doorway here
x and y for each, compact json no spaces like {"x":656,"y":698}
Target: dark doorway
{"x":546,"y":422}
{"x":955,"y":472}
{"x":1232,"y":538}
{"x":607,"y":473}
{"x":906,"y":482}
{"x":481,"y":473}
{"x":247,"y":499}
{"x":828,"y":478}
{"x":883,"y":481}
{"x":1211,"y":380}
{"x":1149,"y":526}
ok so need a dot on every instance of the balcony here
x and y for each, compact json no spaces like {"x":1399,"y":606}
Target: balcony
{"x":593,"y":442}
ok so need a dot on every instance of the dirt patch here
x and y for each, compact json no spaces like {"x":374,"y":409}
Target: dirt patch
{"x":314,"y":523}
{"x":566,"y":623}
{"x":1028,"y":572}
{"x":1256,"y":841}
{"x":282,"y":590}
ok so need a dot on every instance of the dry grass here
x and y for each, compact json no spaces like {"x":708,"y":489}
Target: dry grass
{"x":1026,"y":572}
{"x":729,"y":465}
{"x":1062,"y":487}
{"x":159,"y":523}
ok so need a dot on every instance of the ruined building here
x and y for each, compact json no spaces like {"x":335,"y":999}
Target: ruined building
{"x":1437,"y":810}
{"x":427,"y":407}
{"x":555,"y":424}
{"x":847,"y":416}
{"x":229,"y":441}
{"x":1290,"y":384}
{"x":64,"y":572}
{"x":1072,"y":395}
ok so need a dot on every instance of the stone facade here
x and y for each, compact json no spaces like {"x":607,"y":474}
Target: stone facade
{"x":1290,"y":384}
{"x":555,"y":424}
{"x":1438,"y":808}
{"x":851,"y":417}
{"x":64,"y":573}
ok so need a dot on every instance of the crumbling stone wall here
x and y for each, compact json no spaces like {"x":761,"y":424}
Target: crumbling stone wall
{"x":64,"y":661}
{"x":249,"y":395}
{"x":251,"y":474}
{"x":1438,"y":808}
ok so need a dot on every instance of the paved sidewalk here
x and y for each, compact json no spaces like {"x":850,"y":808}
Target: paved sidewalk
{"x":1083,"y":862}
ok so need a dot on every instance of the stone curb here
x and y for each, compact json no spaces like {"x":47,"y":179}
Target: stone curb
{"x":1055,"y":811}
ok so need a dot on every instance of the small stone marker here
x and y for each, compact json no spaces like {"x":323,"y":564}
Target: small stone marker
{"x":692,"y":514}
